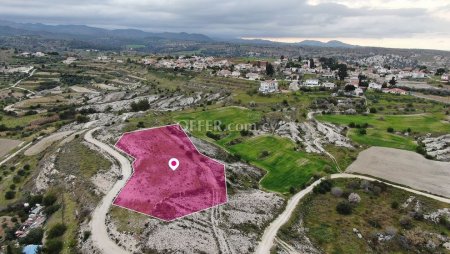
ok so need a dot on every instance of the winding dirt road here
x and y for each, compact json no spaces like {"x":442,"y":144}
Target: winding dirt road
{"x":100,"y":236}
{"x":270,"y":233}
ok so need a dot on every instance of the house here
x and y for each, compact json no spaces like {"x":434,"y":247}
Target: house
{"x":445,"y":78}
{"x":31,"y":249}
{"x":311,"y":82}
{"x":354,"y":81}
{"x":329,"y":85}
{"x":375,"y":86}
{"x":270,"y":86}
{"x":358,"y":91}
{"x":252,"y":76}
{"x":395,"y":91}
{"x":328,"y":75}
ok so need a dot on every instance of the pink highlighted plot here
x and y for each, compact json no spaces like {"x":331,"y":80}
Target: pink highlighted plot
{"x":171,"y":179}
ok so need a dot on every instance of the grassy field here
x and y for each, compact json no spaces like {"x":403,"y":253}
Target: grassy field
{"x":405,"y":104}
{"x":22,"y":121}
{"x":333,"y":232}
{"x":377,"y":134}
{"x":286,"y":167}
{"x":232,"y":117}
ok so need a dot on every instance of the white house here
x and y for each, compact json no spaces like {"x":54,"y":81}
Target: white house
{"x":329,"y":85}
{"x":445,"y":78}
{"x":311,"y":82}
{"x":270,"y":86}
{"x":224,"y":73}
{"x":235,"y":74}
{"x":395,"y":91}
{"x":358,"y":91}
{"x":375,"y":86}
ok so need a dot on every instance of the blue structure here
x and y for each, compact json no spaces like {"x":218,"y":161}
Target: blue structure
{"x":31,"y":249}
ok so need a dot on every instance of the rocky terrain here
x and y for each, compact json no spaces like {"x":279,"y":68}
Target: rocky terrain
{"x":438,"y":147}
{"x":230,"y":228}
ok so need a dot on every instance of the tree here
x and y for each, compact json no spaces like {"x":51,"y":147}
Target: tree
{"x":33,"y":237}
{"x":57,"y":230}
{"x":392,"y":82}
{"x":342,"y":71}
{"x":390,"y":129}
{"x":440,"y":71}
{"x":354,"y":198}
{"x":53,"y":246}
{"x":269,"y":69}
{"x":362,"y":131}
{"x":344,"y":208}
{"x":373,"y":110}
{"x":311,"y":63}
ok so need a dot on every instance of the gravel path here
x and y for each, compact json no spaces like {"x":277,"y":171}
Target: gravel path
{"x":100,"y":236}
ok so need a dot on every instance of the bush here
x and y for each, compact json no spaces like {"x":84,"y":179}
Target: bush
{"x":57,"y":230}
{"x":373,"y":110}
{"x":351,"y":125}
{"x":49,"y":210}
{"x":406,"y":222}
{"x":362,"y":131}
{"x":323,"y":187}
{"x":53,"y":246}
{"x":264,"y":154}
{"x":141,"y":105}
{"x":336,"y":191}
{"x":390,"y":129}
{"x":49,"y":199}
{"x":354,"y":198}
{"x":344,"y":208}
{"x":86,"y":235}
{"x":209,"y":134}
{"x":10,"y":195}
{"x":34,"y":237}
{"x":394,"y":205}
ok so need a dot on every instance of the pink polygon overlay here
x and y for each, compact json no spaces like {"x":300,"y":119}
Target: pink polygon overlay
{"x":154,"y":189}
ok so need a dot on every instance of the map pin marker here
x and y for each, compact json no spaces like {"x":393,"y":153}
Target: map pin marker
{"x":174,"y":163}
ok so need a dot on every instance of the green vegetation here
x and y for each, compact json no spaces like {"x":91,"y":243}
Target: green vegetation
{"x":330,"y":218}
{"x":286,"y":167}
{"x":377,"y":133}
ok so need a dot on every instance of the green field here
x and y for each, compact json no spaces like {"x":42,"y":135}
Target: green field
{"x":286,"y":167}
{"x":377,"y":135}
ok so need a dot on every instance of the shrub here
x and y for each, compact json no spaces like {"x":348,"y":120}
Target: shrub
{"x":362,"y":131}
{"x":264,"y":154}
{"x":49,"y":199}
{"x":444,"y":221}
{"x":49,"y":210}
{"x":354,"y":198}
{"x":57,"y":230}
{"x":323,"y":187}
{"x":34,"y":237}
{"x":394,"y":205}
{"x":10,"y":195}
{"x":336,"y":191}
{"x":351,"y":125}
{"x":53,"y":246}
{"x":209,"y":134}
{"x":373,"y":110}
{"x":406,"y":222}
{"x":390,"y":129}
{"x":344,"y":208}
{"x":86,"y":235}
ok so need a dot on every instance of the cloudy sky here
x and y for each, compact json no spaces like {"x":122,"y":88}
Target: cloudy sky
{"x":387,"y":23}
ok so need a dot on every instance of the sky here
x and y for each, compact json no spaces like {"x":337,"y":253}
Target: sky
{"x":384,"y":23}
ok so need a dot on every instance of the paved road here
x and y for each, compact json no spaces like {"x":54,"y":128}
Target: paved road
{"x":270,"y":233}
{"x":15,"y":153}
{"x":100,"y":235}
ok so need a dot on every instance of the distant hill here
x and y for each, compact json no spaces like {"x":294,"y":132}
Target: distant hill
{"x":330,"y":44}
{"x":87,"y":32}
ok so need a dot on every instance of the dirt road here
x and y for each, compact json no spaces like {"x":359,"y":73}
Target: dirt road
{"x":270,"y":233}
{"x":100,"y":236}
